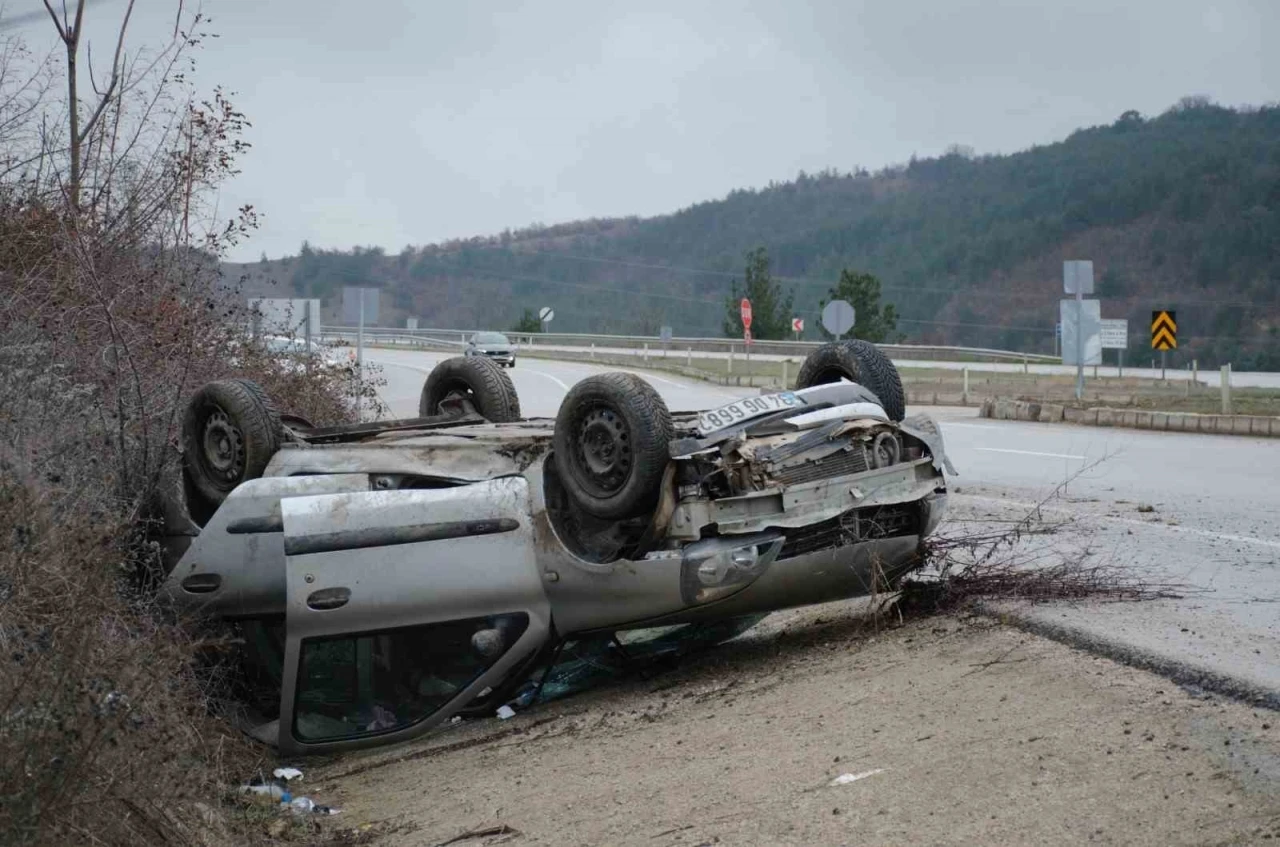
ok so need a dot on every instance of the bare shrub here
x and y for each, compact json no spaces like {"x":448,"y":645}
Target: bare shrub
{"x":967,"y":567}
{"x":112,"y":312}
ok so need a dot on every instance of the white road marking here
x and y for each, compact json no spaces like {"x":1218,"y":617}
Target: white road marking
{"x":556,"y":380}
{"x":670,"y":382}
{"x":1190,"y":530}
{"x":948,"y":423}
{"x":1028,"y":453}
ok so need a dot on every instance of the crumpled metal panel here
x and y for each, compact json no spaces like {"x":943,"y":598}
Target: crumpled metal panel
{"x":926,"y":429}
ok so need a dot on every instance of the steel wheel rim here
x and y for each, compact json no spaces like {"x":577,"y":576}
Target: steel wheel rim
{"x":603,"y":451}
{"x":222,"y":450}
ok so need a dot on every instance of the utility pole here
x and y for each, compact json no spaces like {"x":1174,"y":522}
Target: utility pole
{"x":360,"y":337}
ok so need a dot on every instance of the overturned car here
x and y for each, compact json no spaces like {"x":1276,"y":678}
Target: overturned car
{"x":388,"y":576}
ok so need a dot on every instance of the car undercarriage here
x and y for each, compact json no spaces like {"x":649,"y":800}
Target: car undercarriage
{"x":447,"y":555}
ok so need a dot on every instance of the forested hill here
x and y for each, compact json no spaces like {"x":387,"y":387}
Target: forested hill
{"x":1178,"y":211}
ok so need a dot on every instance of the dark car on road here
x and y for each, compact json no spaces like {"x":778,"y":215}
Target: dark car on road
{"x":494,"y":346}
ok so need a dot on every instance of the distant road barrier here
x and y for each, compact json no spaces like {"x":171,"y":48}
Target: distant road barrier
{"x":456,"y":339}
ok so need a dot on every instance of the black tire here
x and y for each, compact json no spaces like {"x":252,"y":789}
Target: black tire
{"x":881,"y":377}
{"x":829,"y":363}
{"x":612,"y":441}
{"x":230,"y":431}
{"x":476,"y":379}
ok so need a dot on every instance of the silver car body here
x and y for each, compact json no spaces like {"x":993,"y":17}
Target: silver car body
{"x":424,"y":527}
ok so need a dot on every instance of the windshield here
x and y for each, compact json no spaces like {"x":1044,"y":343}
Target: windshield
{"x":490,"y":338}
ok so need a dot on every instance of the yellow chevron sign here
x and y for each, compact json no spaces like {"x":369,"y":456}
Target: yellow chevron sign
{"x":1164,"y":330}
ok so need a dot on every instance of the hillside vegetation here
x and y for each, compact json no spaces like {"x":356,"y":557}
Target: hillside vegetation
{"x":1179,"y":211}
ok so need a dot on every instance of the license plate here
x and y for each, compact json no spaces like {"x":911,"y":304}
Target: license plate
{"x":751,"y":407}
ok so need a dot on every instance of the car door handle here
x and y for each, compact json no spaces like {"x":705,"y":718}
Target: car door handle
{"x":202,"y":583}
{"x":328,"y":598}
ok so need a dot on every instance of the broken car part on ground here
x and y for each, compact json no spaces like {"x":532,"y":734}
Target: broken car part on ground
{"x":389,"y":576}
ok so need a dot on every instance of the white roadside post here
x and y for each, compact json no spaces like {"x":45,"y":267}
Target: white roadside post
{"x":1226,"y":388}
{"x":1077,"y":279}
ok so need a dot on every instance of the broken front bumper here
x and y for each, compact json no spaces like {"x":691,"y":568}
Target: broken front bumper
{"x":805,"y":504}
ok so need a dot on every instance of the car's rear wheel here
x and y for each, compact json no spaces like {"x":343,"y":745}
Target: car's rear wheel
{"x":612,"y":441}
{"x":230,"y":431}
{"x":473,"y":380}
{"x":829,"y":363}
{"x":881,"y":376}
{"x":857,"y":361}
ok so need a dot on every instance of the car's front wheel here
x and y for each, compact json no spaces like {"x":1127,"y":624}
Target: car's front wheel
{"x":612,"y":440}
{"x":230,"y":431}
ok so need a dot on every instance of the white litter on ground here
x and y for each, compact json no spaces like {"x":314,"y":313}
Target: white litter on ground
{"x":846,"y":778}
{"x":505,"y":712}
{"x":287,"y":773}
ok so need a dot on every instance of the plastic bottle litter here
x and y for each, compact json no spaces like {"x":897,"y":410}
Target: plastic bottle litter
{"x":268,"y":789}
{"x":302,"y":805}
{"x":506,"y":712}
{"x":846,"y":778}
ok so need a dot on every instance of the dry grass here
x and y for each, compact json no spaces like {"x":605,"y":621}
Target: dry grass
{"x":111,"y":315}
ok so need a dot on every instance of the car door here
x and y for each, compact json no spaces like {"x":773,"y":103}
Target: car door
{"x":403,"y":606}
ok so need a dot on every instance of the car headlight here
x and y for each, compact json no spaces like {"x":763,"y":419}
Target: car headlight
{"x":717,"y":567}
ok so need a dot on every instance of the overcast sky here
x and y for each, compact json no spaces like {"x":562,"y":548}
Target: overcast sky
{"x":395,"y":122}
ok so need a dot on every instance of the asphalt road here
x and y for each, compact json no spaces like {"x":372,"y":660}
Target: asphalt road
{"x":1214,"y":524}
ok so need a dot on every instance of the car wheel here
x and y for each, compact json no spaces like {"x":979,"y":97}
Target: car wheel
{"x":476,"y":380}
{"x":829,"y":363}
{"x":881,"y":376}
{"x":230,"y":431}
{"x":611,"y":441}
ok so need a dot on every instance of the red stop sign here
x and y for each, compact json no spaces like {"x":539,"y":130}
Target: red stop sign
{"x":746,"y":313}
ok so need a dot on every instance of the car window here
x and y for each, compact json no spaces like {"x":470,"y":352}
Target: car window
{"x":369,"y":683}
{"x":490,"y":338}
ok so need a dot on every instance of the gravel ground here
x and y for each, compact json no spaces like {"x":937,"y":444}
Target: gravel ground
{"x":959,"y":731}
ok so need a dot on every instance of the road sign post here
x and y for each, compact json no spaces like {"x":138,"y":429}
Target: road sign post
{"x":1115,"y":336}
{"x":546,"y":314}
{"x":1164,"y":335}
{"x":838,"y":317}
{"x":1077,"y":279}
{"x":797,"y":326}
{"x":744,"y":309}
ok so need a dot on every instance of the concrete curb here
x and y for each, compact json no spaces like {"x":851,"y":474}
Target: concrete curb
{"x":1185,"y":674}
{"x":1257,"y":426}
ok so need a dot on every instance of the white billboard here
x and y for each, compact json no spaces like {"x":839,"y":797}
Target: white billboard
{"x":284,"y":316}
{"x":1082,"y":339}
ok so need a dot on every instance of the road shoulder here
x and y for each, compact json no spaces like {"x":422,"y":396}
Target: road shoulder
{"x":960,"y":731}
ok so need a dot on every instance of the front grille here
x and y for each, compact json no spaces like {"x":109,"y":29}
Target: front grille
{"x":843,"y":463}
{"x":869,"y":524}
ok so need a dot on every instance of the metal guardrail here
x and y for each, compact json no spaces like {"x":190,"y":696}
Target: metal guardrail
{"x":455,"y":338}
